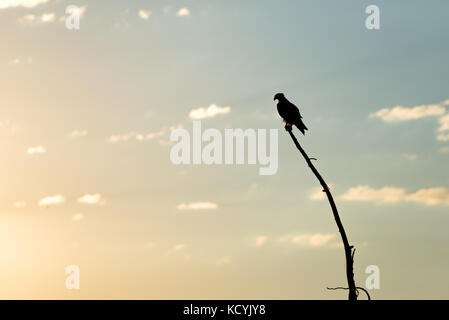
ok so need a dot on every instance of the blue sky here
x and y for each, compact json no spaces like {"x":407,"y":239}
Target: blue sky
{"x":123,"y":75}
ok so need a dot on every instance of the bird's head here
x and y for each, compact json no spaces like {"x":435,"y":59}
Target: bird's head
{"x":279,"y":96}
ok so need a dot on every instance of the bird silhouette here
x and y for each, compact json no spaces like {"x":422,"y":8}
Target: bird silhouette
{"x":290,"y":113}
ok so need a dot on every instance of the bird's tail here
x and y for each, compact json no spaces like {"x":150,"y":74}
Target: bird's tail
{"x":301,"y":126}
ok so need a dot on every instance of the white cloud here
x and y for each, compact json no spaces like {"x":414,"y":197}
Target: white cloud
{"x":443,"y":137}
{"x":209,"y":112}
{"x":31,"y":19}
{"x":310,"y":240}
{"x":400,"y":113}
{"x":20,"y":204}
{"x":121,"y":137}
{"x":183,"y":12}
{"x":27,"y":19}
{"x":14,"y":62}
{"x":144,"y":14}
{"x":318,"y":194}
{"x":444,"y":123}
{"x":78,"y":217}
{"x":430,"y":196}
{"x":137,"y":136}
{"x":48,"y":17}
{"x":444,"y":149}
{"x":36,"y":150}
{"x":179,"y":247}
{"x":91,"y":199}
{"x":4,"y":4}
{"x":149,"y":136}
{"x":259,"y":241}
{"x":52,"y":200}
{"x":366,"y":193}
{"x":78,"y":133}
{"x":197,"y":206}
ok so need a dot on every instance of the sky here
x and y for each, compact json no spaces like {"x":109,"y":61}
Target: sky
{"x":85,"y":123}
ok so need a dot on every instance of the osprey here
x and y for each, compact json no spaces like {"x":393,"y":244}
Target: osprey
{"x":290,"y":113}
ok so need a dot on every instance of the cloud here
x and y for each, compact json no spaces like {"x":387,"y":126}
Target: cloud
{"x":209,"y":112}
{"x":52,"y":200}
{"x":444,"y":149}
{"x":310,"y":240}
{"x":47,"y":17}
{"x":20,"y":204}
{"x":179,"y":247}
{"x":5,"y":4}
{"x":78,"y":217}
{"x":121,"y":137}
{"x":430,"y":196}
{"x":400,"y":113}
{"x":31,"y":19}
{"x":366,"y":193}
{"x":91,"y":199}
{"x":36,"y":150}
{"x":443,"y":137}
{"x":259,"y":241}
{"x":183,"y":12}
{"x":144,"y":14}
{"x":197,"y":206}
{"x":136,"y":136}
{"x":444,"y":123}
{"x":318,"y":194}
{"x":78,"y":134}
{"x":14,"y":62}
{"x":27,"y":19}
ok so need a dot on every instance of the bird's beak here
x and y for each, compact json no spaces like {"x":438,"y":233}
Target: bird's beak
{"x":274,"y":99}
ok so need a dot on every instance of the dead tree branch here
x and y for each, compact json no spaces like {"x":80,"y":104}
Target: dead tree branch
{"x":348,"y":248}
{"x":358,"y":288}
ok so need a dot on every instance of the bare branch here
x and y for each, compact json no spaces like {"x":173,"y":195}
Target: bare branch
{"x":348,"y":248}
{"x":343,"y":288}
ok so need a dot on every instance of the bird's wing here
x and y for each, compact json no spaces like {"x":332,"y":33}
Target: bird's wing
{"x":294,"y":111}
